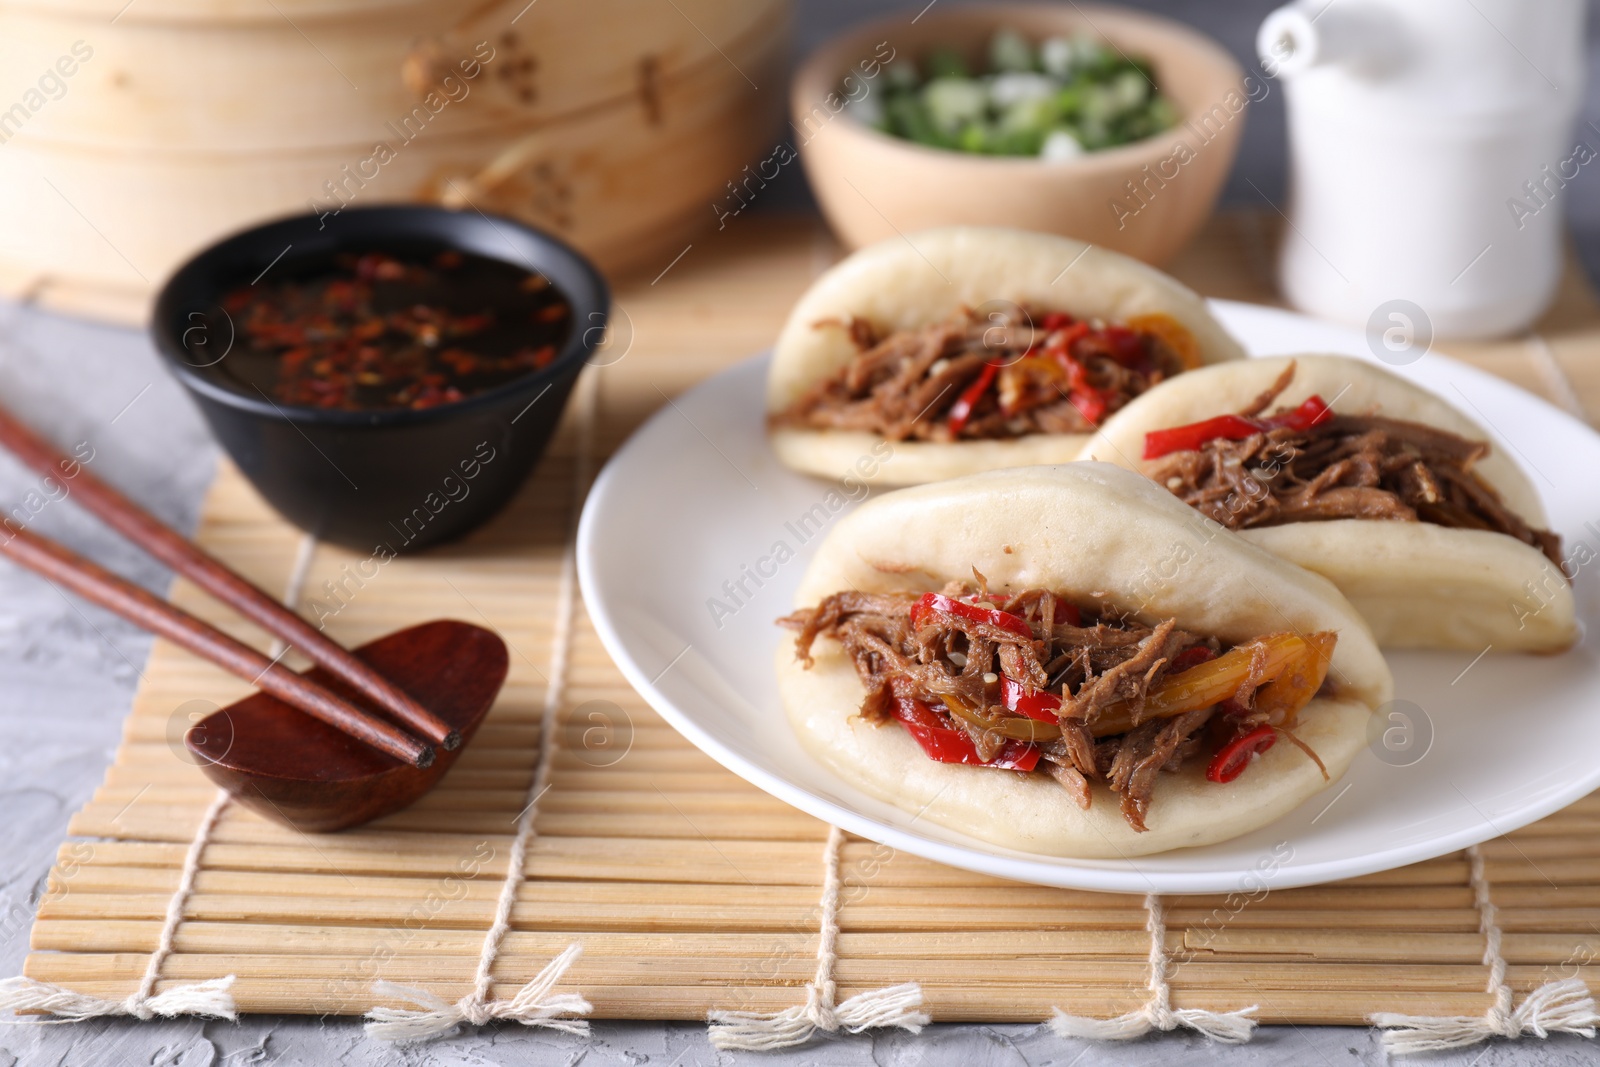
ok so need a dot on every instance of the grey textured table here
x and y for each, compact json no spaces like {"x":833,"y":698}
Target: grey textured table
{"x":68,"y":671}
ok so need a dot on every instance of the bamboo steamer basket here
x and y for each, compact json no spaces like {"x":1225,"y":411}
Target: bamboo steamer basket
{"x":614,"y":126}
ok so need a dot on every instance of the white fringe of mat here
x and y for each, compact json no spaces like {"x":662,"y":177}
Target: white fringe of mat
{"x":434,"y":1017}
{"x":1563,"y":1006}
{"x":899,"y":1005}
{"x":19,"y":995}
{"x":200,"y":998}
{"x":1231,"y":1027}
{"x":533,"y":1004}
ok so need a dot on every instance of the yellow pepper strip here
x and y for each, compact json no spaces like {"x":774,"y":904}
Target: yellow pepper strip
{"x":1015,"y":729}
{"x":1171,"y":333}
{"x":1205,"y":684}
{"x":1014,"y":379}
{"x":1283,"y":697}
{"x":1292,"y":671}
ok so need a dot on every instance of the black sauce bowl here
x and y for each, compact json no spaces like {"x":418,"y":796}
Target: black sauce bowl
{"x":397,"y":479}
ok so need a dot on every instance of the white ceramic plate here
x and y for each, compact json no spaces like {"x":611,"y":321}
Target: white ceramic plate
{"x":688,"y":509}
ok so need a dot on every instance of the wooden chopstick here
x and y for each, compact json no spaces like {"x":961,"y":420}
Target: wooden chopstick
{"x":216,"y":578}
{"x":148,"y":611}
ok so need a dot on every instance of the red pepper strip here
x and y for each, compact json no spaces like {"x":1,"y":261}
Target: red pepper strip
{"x":945,"y":745}
{"x":950,"y":606}
{"x":1029,"y":701}
{"x":1190,"y":657}
{"x":1071,"y":335}
{"x":1090,"y":404}
{"x":1089,"y":401}
{"x":1311,"y":412}
{"x":1067,"y":612}
{"x":961,"y":410}
{"x":1056,"y":320}
{"x":1190,"y":438}
{"x":1232,"y":758}
{"x":1125,"y":346}
{"x":914,"y":712}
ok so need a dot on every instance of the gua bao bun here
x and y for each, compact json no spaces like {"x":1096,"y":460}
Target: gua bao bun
{"x":1096,"y":535}
{"x":1419,"y":584}
{"x":921,"y":281}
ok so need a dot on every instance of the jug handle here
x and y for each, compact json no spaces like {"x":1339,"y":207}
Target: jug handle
{"x":1312,"y":33}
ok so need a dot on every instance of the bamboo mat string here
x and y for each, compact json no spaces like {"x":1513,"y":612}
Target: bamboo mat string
{"x":212,"y":998}
{"x":893,"y":1006}
{"x":533,"y":1004}
{"x":200,"y":998}
{"x":1561,"y":1006}
{"x":1232,"y":1027}
{"x":304,"y":553}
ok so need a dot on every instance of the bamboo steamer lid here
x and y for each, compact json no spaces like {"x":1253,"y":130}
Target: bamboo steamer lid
{"x":613,"y":126}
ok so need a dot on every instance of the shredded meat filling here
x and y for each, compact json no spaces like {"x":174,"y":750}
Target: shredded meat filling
{"x":905,"y":385}
{"x":1346,"y":467}
{"x":1101,"y":666}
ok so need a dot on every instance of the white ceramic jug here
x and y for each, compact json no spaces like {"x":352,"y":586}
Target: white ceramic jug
{"x":1430,"y":141}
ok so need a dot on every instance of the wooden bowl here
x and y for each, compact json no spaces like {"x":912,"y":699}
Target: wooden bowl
{"x":1145,"y":199}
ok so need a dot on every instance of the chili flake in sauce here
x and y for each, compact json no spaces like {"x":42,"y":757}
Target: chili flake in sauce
{"x":384,"y":331}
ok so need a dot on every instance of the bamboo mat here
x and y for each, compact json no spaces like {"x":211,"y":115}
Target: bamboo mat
{"x":689,"y":889}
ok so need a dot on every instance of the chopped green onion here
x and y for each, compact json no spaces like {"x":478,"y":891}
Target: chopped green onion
{"x":946,"y":63}
{"x":954,"y":102}
{"x":1056,"y":99}
{"x":1010,"y":51}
